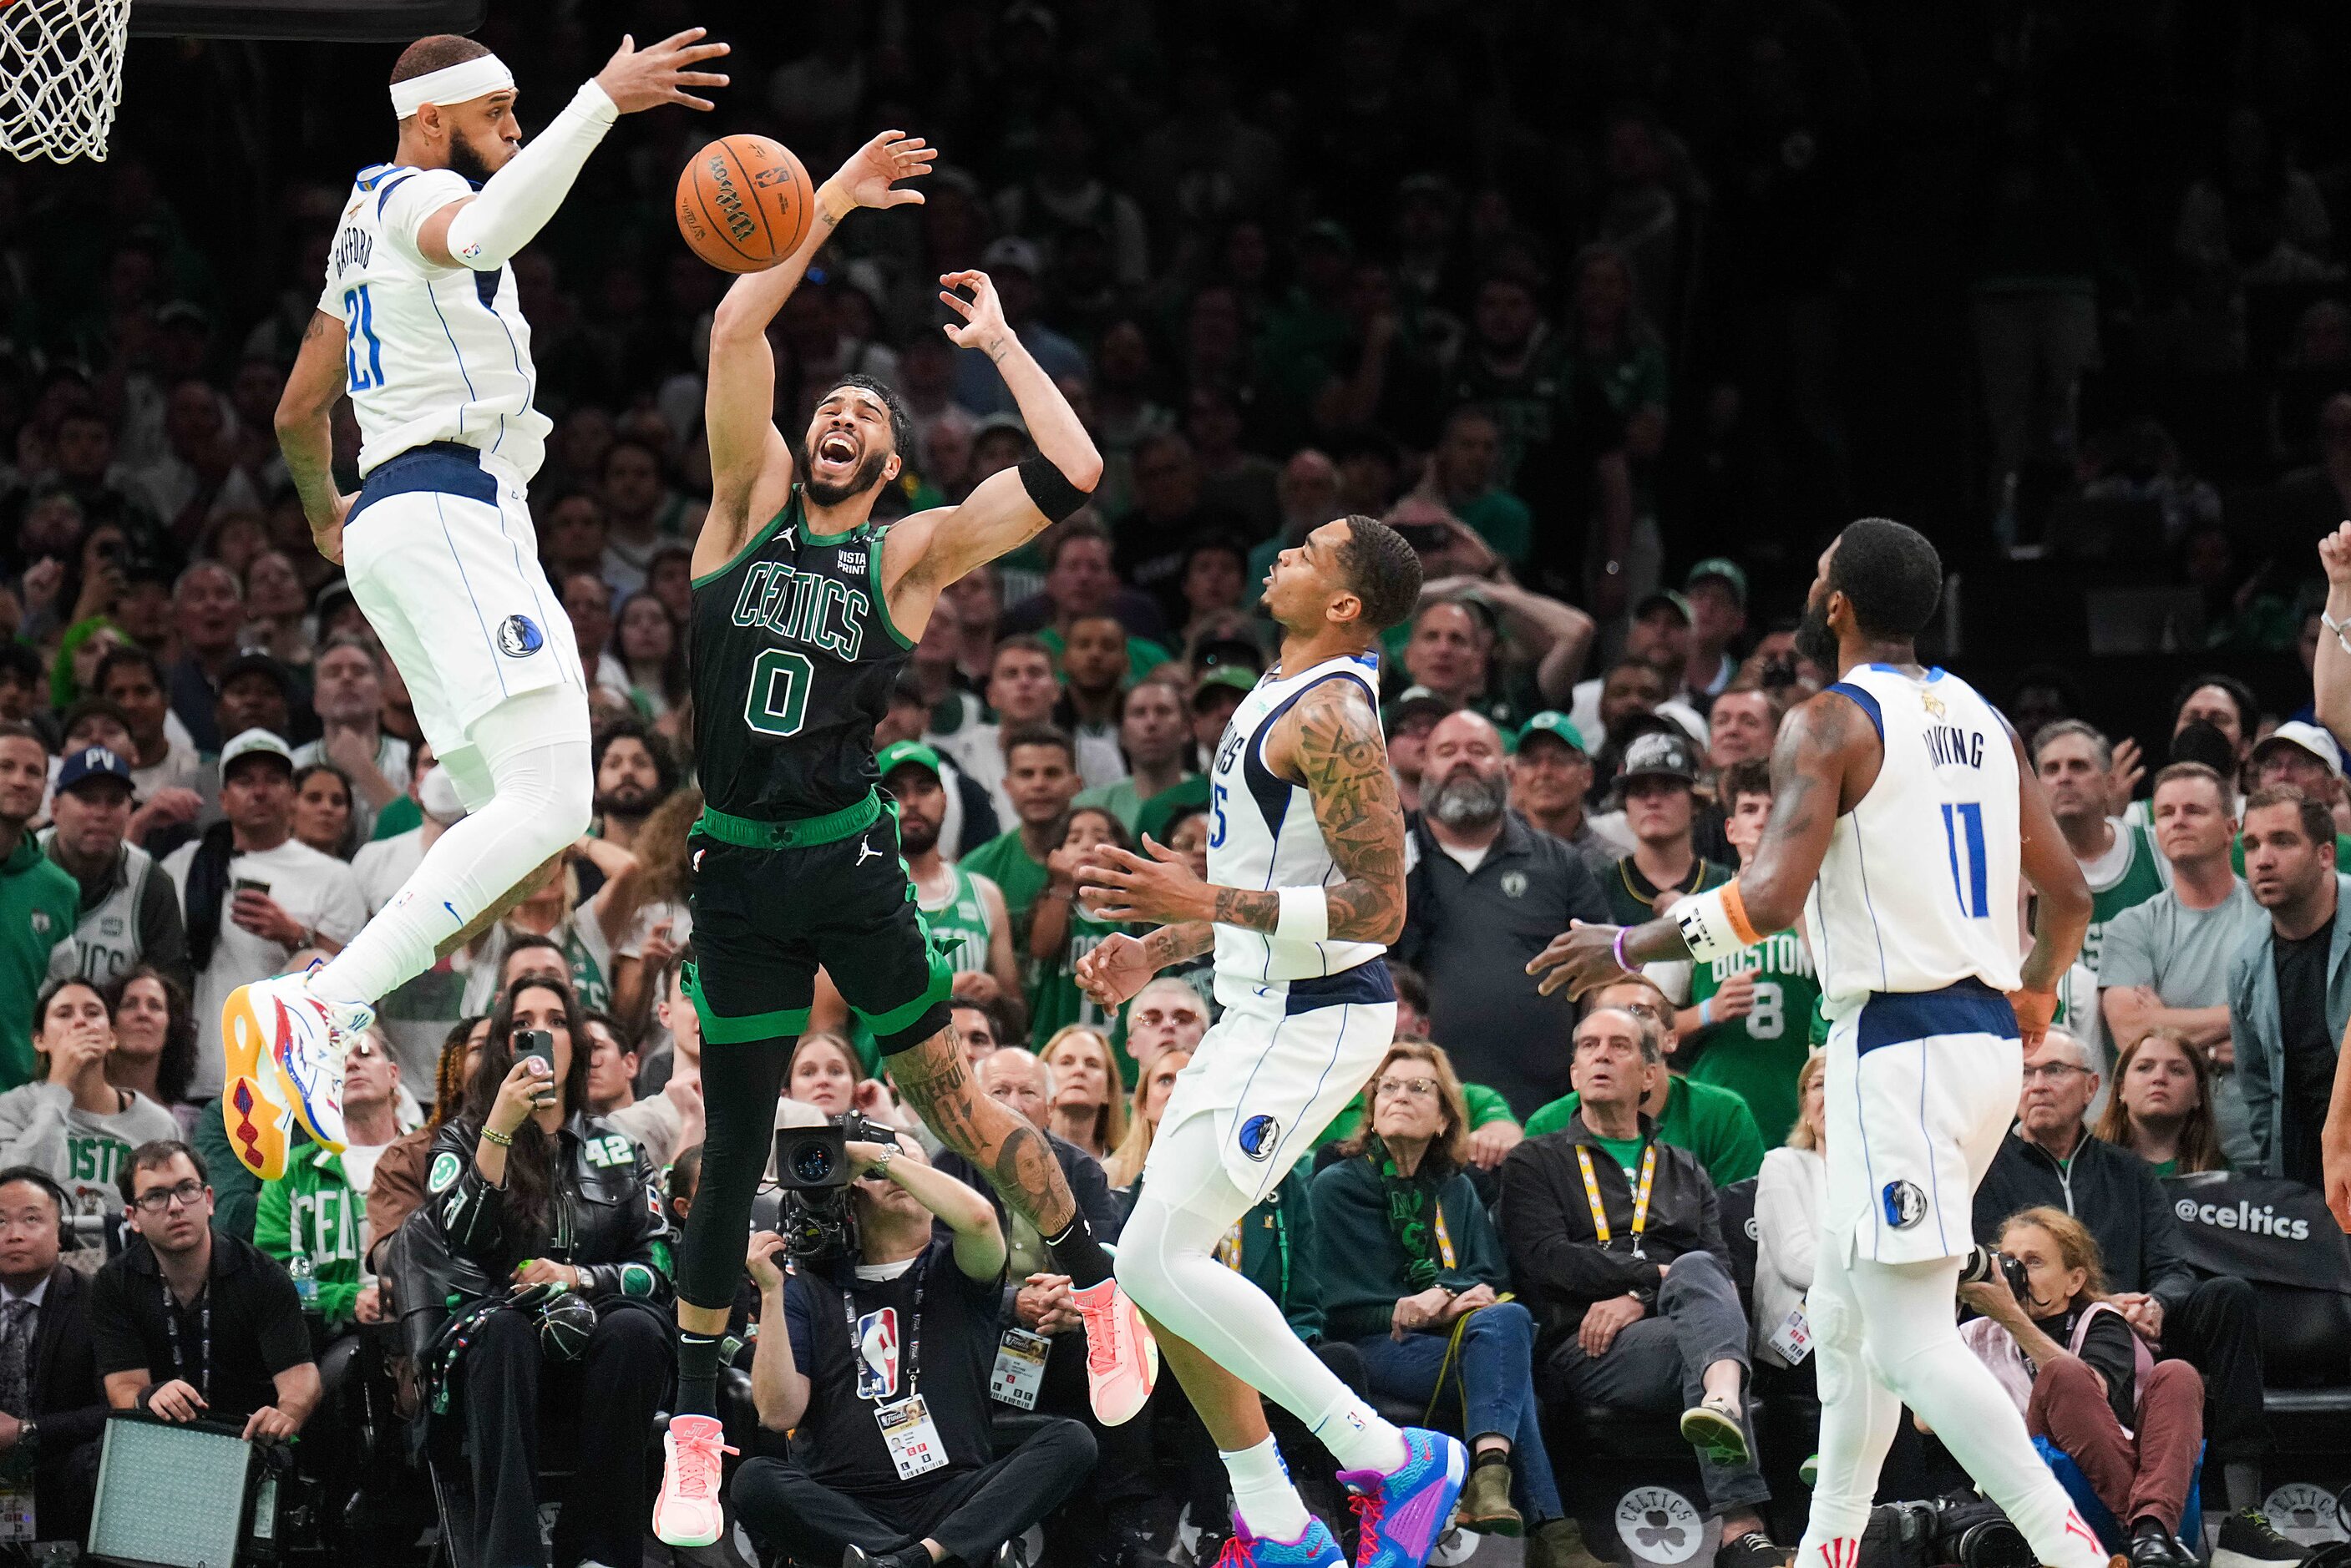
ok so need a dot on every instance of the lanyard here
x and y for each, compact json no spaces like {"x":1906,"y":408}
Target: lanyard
{"x":912,"y":1359}
{"x":1640,"y":1200}
{"x":204,"y":1346}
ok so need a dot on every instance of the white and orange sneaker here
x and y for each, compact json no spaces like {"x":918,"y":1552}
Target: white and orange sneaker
{"x":285,"y":1048}
{"x":253,"y":1108}
{"x":1122,"y":1358}
{"x":688,"y":1512}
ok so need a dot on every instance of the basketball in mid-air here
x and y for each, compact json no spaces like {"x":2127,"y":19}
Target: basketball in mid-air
{"x":744,"y":203}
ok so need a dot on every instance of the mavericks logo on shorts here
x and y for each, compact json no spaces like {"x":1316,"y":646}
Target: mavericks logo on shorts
{"x":1905,"y":1204}
{"x":1258,"y":1137}
{"x":519,"y":637}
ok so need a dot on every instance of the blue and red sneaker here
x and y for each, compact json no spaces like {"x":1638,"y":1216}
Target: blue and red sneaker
{"x":1403,"y":1512}
{"x":1314,"y":1548}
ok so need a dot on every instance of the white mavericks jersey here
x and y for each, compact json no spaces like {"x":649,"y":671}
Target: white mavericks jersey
{"x":1262,"y":833}
{"x":431,"y":353}
{"x":1918,"y":890}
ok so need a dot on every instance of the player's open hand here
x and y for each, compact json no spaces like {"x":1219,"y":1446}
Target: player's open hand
{"x":1114,"y":971}
{"x":2035,"y":1010}
{"x":983,"y":325}
{"x":873,"y":170}
{"x":1119,"y":884}
{"x":1578,"y":958}
{"x":636,"y":79}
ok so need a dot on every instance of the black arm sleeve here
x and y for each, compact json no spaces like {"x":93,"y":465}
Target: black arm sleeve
{"x":1049,"y":488}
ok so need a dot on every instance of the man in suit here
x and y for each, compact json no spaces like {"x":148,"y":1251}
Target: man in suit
{"x":52,"y":1406}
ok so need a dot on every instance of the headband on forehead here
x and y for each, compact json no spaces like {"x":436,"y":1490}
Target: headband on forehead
{"x":460,"y":83}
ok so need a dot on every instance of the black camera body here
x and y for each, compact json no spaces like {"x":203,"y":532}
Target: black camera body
{"x":812,"y":1166}
{"x":1984,"y":1265}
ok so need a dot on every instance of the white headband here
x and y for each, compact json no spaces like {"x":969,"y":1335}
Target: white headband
{"x":460,"y":83}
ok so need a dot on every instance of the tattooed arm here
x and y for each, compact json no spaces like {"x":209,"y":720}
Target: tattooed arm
{"x":1330,"y":744}
{"x":1825,"y":758}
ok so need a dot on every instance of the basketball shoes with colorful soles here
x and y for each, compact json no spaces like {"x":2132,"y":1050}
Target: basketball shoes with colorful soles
{"x":688,"y":1512}
{"x":1312,"y":1549}
{"x":1403,"y":1512}
{"x":1122,"y":1358}
{"x":277,"y":1029}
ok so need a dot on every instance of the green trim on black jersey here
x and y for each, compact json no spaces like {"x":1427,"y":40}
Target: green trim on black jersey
{"x":843,"y":537}
{"x":882,"y":599}
{"x":758,"y":539}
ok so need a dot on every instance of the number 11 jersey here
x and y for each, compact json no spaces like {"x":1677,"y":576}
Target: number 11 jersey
{"x":1918,"y":890}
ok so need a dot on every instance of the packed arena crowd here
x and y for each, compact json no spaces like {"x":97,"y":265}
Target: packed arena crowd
{"x":1616,"y":409}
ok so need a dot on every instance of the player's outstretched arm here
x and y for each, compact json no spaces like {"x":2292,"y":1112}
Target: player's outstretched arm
{"x":1122,"y":965}
{"x":932,"y":549}
{"x":484,"y":231}
{"x":306,"y":431}
{"x":1331,"y":743}
{"x":1825,"y":746}
{"x":747,"y":453}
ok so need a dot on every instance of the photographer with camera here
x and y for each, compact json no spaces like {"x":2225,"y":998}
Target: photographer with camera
{"x":550,"y":1221}
{"x":2087,"y":1383}
{"x":876,"y":1354}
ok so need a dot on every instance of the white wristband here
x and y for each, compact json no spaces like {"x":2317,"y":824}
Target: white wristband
{"x":1305,"y":914}
{"x":1705,"y":921}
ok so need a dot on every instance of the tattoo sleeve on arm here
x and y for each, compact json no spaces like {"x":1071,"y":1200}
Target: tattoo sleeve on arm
{"x":1343,"y":759}
{"x":1808,"y":764}
{"x":1174,"y":944}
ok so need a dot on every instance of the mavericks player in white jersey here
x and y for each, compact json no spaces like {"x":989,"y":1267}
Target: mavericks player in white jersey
{"x":1305,"y":890}
{"x":1903,"y":812}
{"x":419,"y":325}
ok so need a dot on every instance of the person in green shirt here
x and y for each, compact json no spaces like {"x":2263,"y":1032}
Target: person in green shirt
{"x":2118,"y":861}
{"x":39,"y":902}
{"x":1156,"y":740}
{"x":1461,"y":472}
{"x":1747,"y":1025}
{"x":1062,"y":932}
{"x":316,"y":1212}
{"x":1081,"y":582}
{"x":1040,"y":775}
{"x":1215,"y":696}
{"x":1711,"y":1121}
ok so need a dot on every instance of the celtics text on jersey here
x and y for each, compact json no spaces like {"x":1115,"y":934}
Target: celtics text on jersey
{"x":794,"y":654}
{"x":1758,"y":1055}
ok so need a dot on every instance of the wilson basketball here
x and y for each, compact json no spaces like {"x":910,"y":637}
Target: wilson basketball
{"x":744,"y":203}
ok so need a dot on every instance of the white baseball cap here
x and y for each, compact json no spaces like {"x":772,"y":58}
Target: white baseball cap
{"x":262,"y":743}
{"x":2309,"y":737}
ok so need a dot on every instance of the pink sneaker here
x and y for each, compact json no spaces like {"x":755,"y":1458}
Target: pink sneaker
{"x":1122,"y":1358}
{"x":687,"y":1513}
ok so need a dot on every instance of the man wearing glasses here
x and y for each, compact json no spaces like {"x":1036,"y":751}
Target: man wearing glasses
{"x":191,"y":1324}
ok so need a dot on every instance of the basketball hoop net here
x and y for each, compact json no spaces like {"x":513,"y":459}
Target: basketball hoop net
{"x":60,"y":75}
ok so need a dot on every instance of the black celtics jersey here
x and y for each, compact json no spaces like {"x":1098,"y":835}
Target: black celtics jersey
{"x":794,"y":655}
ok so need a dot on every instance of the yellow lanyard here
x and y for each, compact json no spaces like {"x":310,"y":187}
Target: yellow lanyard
{"x":1640,"y":1199}
{"x":1444,"y":1239}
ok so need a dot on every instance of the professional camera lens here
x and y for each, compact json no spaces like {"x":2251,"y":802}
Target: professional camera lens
{"x":812,"y":1162}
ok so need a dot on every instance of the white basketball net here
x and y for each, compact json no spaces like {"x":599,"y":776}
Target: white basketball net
{"x":60,"y":75}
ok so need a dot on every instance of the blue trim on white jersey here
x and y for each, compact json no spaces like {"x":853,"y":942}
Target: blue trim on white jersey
{"x":1898,"y":1017}
{"x":381,"y":196}
{"x":445,"y":467}
{"x":1864,"y":700}
{"x":1368,"y":982}
{"x":454,"y":353}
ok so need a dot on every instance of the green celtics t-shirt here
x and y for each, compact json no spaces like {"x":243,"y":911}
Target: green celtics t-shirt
{"x":2127,"y":875}
{"x":1143,"y":654}
{"x":1758,"y":1057}
{"x":1711,"y":1123}
{"x":1054,"y":1000}
{"x":1164,"y":806}
{"x":959,"y":928}
{"x":1626,"y":1153}
{"x":1005,"y":861}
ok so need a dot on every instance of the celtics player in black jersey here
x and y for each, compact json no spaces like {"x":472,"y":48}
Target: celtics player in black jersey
{"x":804,"y":612}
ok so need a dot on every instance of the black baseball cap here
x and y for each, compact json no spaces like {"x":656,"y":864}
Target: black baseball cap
{"x":1659,"y":756}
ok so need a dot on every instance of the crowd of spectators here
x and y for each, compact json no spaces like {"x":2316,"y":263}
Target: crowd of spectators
{"x":1579,"y":298}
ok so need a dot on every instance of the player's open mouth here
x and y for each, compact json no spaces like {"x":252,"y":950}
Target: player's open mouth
{"x":837,"y":448}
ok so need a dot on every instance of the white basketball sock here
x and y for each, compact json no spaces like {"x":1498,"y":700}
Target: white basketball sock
{"x":536,"y":748}
{"x":1167,"y":1264}
{"x":1268,"y":1504}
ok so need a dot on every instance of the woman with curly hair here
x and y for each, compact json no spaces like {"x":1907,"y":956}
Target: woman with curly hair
{"x":154,"y":1041}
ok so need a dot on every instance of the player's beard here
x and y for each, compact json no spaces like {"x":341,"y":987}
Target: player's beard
{"x":916,"y":835}
{"x":466,"y":161}
{"x":1814,"y":640}
{"x":869,"y":470}
{"x":632,"y":803}
{"x":1468,"y":800}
